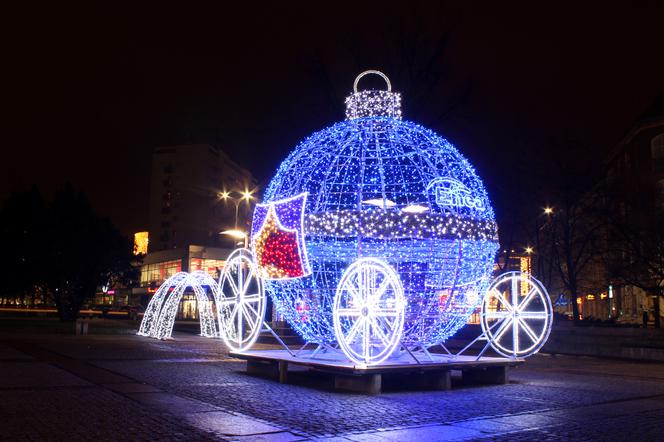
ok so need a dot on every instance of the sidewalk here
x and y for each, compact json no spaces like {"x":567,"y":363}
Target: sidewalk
{"x":606,"y":341}
{"x":51,"y":391}
{"x":125,"y":387}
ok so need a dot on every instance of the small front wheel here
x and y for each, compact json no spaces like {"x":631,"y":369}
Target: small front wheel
{"x":241,"y":303}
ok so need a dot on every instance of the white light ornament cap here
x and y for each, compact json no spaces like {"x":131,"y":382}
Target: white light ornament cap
{"x":373,"y":103}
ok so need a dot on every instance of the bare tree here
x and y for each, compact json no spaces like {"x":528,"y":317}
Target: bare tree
{"x":573,"y":238}
{"x":576,"y":246}
{"x":636,"y":237}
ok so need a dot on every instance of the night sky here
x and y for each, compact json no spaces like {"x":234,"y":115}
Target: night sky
{"x":92,"y":90}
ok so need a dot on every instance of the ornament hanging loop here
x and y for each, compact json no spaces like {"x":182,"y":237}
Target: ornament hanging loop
{"x":375,"y":72}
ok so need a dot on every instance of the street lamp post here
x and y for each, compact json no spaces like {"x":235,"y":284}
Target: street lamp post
{"x":548,"y":212}
{"x":237,"y":234}
{"x":246,"y":196}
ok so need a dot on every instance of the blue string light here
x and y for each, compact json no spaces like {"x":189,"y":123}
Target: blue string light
{"x":382,"y":187}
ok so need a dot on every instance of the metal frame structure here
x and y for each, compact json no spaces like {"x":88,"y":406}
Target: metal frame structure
{"x":360,"y":301}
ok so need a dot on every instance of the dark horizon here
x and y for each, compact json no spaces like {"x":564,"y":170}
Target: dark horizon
{"x":95,"y":90}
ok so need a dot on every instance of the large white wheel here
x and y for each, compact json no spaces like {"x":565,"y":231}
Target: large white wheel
{"x":241,"y":304}
{"x":368,"y":312}
{"x":516,"y":315}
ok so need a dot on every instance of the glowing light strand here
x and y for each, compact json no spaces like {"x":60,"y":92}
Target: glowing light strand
{"x":365,"y":104}
{"x":241,"y":301}
{"x":392,"y":224}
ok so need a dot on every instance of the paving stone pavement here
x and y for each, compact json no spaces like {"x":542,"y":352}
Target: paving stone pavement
{"x":126,"y":387}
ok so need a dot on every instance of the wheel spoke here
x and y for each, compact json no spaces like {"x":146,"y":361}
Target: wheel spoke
{"x":248,"y":317}
{"x":357,"y":285}
{"x":502,"y":329}
{"x":239,"y":325}
{"x":529,"y":297}
{"x":381,"y":290}
{"x":240,"y":279}
{"x":363,"y":286}
{"x":368,"y":285}
{"x":231,"y":317}
{"x":256,"y":297}
{"x":227,"y":301}
{"x":354,"y":292}
{"x":533,"y":315}
{"x":229,"y":279}
{"x":502,"y":299}
{"x":385,"y":312}
{"x":250,"y":307}
{"x":365,"y":341}
{"x":515,"y":336}
{"x":349,"y":312}
{"x":247,"y":280}
{"x":379,"y":332}
{"x":515,"y":292}
{"x":355,"y":328}
{"x":531,"y":334}
{"x":498,"y":325}
{"x":373,"y":278}
{"x":496,"y":315}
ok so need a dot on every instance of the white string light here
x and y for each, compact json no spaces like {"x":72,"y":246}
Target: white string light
{"x":368,"y":311}
{"x":159,"y":317}
{"x":516,"y":315}
{"x":240,"y":302}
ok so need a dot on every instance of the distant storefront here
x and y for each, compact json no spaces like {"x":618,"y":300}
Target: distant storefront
{"x":158,"y":266}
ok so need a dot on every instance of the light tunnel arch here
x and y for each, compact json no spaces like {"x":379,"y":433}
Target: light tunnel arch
{"x":159,"y":317}
{"x":151,"y":315}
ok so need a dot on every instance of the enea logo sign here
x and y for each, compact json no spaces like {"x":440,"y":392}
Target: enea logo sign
{"x":452,"y":193}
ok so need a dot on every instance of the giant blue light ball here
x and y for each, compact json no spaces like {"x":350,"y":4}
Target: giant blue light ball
{"x":412,"y":200}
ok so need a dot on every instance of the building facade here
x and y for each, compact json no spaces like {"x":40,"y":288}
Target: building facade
{"x":186,"y":204}
{"x":635,"y":183}
{"x":197,"y":191}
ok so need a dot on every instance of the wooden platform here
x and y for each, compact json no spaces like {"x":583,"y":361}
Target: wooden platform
{"x":427,"y":373}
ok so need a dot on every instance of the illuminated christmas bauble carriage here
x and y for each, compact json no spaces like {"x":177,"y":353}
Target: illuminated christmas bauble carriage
{"x":374,"y":235}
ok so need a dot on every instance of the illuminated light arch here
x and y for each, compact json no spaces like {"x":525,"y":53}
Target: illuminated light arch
{"x":159,"y":317}
{"x":151,"y":315}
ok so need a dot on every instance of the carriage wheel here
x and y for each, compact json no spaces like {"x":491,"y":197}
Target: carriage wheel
{"x":241,"y":305}
{"x":368,"y":312}
{"x":516,"y":315}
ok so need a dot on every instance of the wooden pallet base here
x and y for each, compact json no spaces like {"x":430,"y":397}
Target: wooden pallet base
{"x":426,"y":374}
